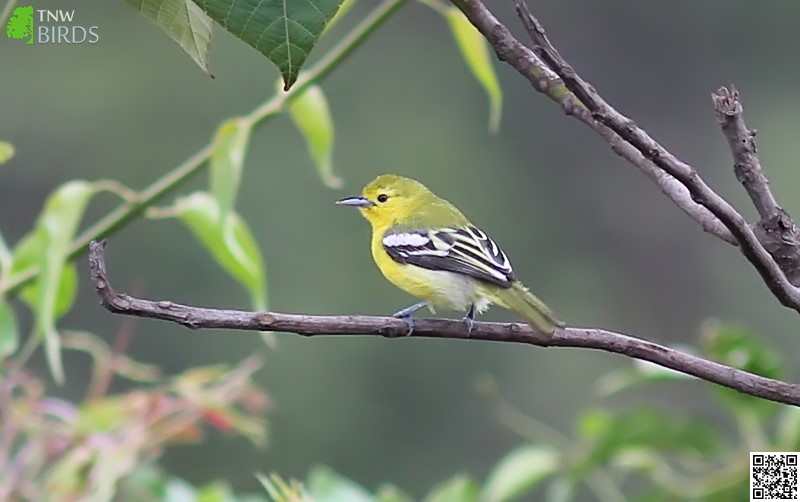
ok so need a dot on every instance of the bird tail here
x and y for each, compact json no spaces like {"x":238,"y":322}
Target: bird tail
{"x":524,"y":303}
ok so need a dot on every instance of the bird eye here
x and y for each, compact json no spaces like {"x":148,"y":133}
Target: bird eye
{"x":383,"y":197}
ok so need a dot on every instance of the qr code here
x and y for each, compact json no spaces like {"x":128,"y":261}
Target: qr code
{"x":773,"y":476}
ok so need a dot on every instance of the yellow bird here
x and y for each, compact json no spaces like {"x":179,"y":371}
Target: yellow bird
{"x":426,"y":247}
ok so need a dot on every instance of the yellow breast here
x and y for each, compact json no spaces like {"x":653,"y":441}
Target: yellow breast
{"x":442,"y":288}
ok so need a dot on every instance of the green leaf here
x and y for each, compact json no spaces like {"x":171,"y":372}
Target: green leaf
{"x":28,"y":254}
{"x":324,"y":485}
{"x":234,"y":248}
{"x":47,"y":245}
{"x":459,"y":488}
{"x":475,"y":52}
{"x":9,"y":336}
{"x":519,"y":472}
{"x":312,"y":116}
{"x":610,"y":434}
{"x":58,"y":223}
{"x":284,"y":31}
{"x":6,"y":151}
{"x":738,"y":347}
{"x":184,"y":22}
{"x":227,"y":161}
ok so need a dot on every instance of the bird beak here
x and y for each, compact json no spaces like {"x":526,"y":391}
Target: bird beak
{"x":355,"y":202}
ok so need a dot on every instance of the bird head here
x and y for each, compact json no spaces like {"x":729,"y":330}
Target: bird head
{"x":388,"y":199}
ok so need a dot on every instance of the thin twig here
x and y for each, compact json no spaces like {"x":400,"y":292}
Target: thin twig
{"x":776,"y":230}
{"x":308,"y":325}
{"x":742,"y":141}
{"x":544,"y":80}
{"x":767,"y":267}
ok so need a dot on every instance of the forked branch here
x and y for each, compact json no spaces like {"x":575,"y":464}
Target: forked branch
{"x":771,"y":246}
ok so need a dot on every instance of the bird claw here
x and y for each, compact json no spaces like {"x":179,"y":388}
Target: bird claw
{"x":409,"y":323}
{"x":405,"y":315}
{"x":470,"y":324}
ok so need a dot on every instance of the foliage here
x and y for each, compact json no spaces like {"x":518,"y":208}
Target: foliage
{"x":643,"y":453}
{"x":283,"y":31}
{"x":45,"y":253}
{"x":108,"y":445}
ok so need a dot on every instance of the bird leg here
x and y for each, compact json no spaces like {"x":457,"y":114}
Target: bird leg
{"x":405,"y":315}
{"x":469,"y":319}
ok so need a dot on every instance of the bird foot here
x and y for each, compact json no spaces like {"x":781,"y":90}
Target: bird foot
{"x":469,"y":319}
{"x":405,"y":315}
{"x":409,"y":323}
{"x":470,"y":324}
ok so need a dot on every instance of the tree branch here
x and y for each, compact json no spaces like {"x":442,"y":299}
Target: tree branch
{"x":776,"y":230}
{"x":547,"y":62}
{"x":742,"y":141}
{"x":308,"y":325}
{"x":544,"y":80}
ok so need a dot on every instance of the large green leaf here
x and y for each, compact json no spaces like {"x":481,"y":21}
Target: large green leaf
{"x":312,"y":116}
{"x":48,"y":246}
{"x":233,"y":247}
{"x":184,"y":22}
{"x":59,"y":222}
{"x":284,"y":31}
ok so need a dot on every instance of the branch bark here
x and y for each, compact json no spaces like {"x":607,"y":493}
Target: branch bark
{"x":547,"y":70}
{"x":308,"y":325}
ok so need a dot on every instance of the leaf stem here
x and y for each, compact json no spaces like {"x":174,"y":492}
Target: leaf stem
{"x":129,"y":210}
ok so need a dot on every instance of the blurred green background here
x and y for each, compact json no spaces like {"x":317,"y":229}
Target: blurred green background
{"x":586,"y":231}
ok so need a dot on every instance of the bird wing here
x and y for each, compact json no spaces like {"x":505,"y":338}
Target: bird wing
{"x":467,"y":251}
